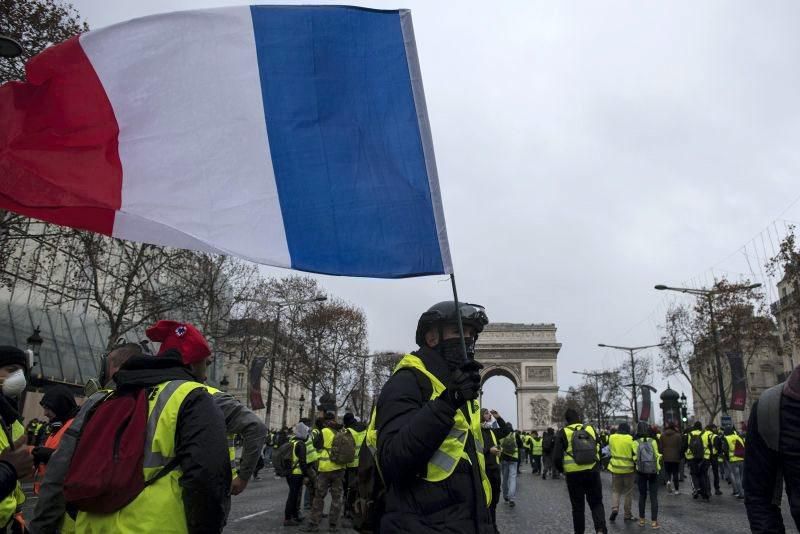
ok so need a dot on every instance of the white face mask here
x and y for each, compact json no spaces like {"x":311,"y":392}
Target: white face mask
{"x":14,"y":384}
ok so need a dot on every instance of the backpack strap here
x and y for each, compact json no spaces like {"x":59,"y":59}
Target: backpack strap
{"x":172,"y":464}
{"x":769,"y":416}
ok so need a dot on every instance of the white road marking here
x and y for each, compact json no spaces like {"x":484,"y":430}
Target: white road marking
{"x":251,"y":516}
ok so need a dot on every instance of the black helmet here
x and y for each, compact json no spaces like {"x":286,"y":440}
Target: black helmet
{"x":473,"y":315}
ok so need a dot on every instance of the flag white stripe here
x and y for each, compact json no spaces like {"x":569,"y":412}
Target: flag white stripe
{"x":193,"y":143}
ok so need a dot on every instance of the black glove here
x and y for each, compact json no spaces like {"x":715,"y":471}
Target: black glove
{"x":41,"y":455}
{"x":464,"y":384}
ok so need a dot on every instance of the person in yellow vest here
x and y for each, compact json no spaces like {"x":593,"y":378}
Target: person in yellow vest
{"x":698,"y":453}
{"x":291,"y":512}
{"x":430,"y":442}
{"x":183,"y":424}
{"x":239,"y":419}
{"x":536,"y":452}
{"x":359,"y":432}
{"x":330,"y":478}
{"x":735,"y":448}
{"x":494,"y":429}
{"x":577,"y":455}
{"x":13,"y":370}
{"x":621,"y":466}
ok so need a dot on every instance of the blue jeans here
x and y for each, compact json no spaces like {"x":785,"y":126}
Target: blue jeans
{"x":509,"y":471}
{"x":737,"y":470}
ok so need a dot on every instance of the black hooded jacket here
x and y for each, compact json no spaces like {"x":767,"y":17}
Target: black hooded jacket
{"x":411,"y":427}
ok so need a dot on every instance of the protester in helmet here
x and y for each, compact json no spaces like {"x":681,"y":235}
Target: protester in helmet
{"x":428,"y":423}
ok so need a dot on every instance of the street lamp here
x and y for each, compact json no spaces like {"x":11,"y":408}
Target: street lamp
{"x":9,"y":47}
{"x":302,"y":402}
{"x":631,"y":351}
{"x":35,"y":341}
{"x":224,"y":382}
{"x":709,"y":295}
{"x":271,"y":378}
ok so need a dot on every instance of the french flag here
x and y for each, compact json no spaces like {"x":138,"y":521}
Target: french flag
{"x":289,"y":136}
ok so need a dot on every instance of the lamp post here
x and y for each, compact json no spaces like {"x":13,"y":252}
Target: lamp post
{"x":224,"y":382}
{"x":34,"y":344}
{"x":596,"y":376}
{"x":709,"y":295}
{"x":271,"y":379}
{"x":684,"y":412}
{"x":632,"y":351}
{"x":9,"y":47}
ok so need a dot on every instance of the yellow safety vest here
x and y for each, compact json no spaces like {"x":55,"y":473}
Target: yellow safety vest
{"x":732,"y":439}
{"x":325,"y":463}
{"x":569,"y":462}
{"x":513,"y":439}
{"x":536,"y":446}
{"x":443,"y":462}
{"x":159,"y":508}
{"x":231,"y":437}
{"x":358,"y":437}
{"x":706,"y":446}
{"x":13,"y":503}
{"x":622,"y":454}
{"x":311,"y":452}
{"x":295,"y":460}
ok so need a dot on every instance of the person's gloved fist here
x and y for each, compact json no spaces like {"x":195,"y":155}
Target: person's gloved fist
{"x":464,"y":384}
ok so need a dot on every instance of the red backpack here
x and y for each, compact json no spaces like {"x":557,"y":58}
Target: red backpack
{"x":106,"y":471}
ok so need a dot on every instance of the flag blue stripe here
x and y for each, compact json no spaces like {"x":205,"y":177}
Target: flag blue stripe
{"x":345,"y":141}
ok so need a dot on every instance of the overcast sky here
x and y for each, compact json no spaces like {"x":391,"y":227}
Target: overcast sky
{"x":586,"y":152}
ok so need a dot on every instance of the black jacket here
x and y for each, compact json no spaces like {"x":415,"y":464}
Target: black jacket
{"x":762,"y":466}
{"x":410,"y":430}
{"x":200,"y":444}
{"x":492,"y":463}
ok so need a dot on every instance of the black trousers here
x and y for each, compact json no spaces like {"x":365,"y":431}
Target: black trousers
{"x":715,"y":470}
{"x":648,"y":484}
{"x":586,"y":485}
{"x":292,"y":509}
{"x":673,"y":472}
{"x":494,"y":480}
{"x":699,"y":471}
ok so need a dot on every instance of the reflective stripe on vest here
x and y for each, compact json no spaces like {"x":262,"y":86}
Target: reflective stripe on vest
{"x":569,"y":462}
{"x":537,"y":446}
{"x":358,"y":437}
{"x":326,"y":465}
{"x":311,"y":452}
{"x":732,"y":439}
{"x":621,"y":446}
{"x":444,"y":460}
{"x":295,"y":460}
{"x":159,"y":508}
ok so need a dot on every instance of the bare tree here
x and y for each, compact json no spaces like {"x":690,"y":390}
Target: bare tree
{"x":688,"y":343}
{"x":574,"y":400}
{"x":124,"y":282}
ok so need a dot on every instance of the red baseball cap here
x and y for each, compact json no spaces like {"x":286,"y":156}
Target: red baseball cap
{"x":183,"y":337}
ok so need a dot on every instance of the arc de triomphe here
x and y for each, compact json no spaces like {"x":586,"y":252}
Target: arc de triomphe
{"x":527,"y":354}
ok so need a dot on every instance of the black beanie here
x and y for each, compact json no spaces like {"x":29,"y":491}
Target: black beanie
{"x":12,"y":355}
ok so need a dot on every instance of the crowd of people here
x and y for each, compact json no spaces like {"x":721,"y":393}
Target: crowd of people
{"x":429,"y":459}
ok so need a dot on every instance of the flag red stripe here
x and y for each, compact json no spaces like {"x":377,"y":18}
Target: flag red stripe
{"x":59,"y":158}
